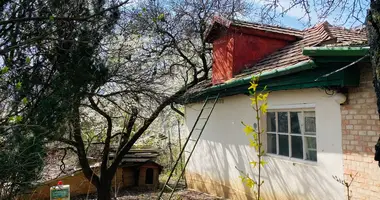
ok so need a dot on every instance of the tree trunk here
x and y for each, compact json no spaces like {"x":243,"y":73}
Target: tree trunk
{"x":170,"y":148}
{"x":373,"y":28}
{"x":104,"y":191}
{"x":105,"y":187}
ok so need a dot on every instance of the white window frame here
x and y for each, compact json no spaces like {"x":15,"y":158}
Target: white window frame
{"x":289,"y":134}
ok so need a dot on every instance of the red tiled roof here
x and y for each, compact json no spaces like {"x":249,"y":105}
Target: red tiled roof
{"x":347,"y":36}
{"x":319,"y":35}
{"x":220,"y":23}
{"x":269,"y":28}
{"x":322,"y":34}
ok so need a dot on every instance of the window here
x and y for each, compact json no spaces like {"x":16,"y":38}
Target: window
{"x":292,"y":134}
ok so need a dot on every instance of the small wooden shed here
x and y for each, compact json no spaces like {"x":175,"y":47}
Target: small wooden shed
{"x":137,"y":169}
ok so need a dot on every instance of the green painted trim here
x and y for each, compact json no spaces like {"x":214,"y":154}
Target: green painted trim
{"x":335,"y":51}
{"x":323,"y":56}
{"x":302,"y":75}
{"x":341,"y":59}
{"x":305,"y":65}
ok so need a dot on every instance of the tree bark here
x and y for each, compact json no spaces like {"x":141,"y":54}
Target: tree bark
{"x":79,"y":145}
{"x":170,"y":148}
{"x":373,"y":30}
{"x":373,"y":25}
{"x":104,"y":189}
{"x":104,"y":192}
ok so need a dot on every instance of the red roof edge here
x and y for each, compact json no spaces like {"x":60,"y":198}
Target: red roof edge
{"x":220,"y":25}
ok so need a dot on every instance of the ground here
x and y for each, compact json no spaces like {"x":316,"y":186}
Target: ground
{"x":139,"y":194}
{"x":182,"y":194}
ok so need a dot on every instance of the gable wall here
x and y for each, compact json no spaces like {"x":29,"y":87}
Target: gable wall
{"x":250,"y":49}
{"x":235,"y":51}
{"x":222,"y":56}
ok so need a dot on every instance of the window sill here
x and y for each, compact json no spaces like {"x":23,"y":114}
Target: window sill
{"x":294,"y":161}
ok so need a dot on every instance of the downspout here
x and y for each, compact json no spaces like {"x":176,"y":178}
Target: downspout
{"x":176,"y":110}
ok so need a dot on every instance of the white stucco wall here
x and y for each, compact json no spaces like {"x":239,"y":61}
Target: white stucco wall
{"x":224,"y":145}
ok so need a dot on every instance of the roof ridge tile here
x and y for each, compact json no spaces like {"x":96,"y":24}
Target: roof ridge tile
{"x":267,"y":25}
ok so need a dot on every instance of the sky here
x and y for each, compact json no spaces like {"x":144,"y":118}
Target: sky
{"x":294,"y":21}
{"x":294,"y":18}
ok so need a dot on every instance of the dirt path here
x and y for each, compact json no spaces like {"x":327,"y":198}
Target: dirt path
{"x":138,"y":194}
{"x":183,"y":195}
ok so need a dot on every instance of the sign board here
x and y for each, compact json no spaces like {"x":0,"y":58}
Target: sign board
{"x":60,"y":192}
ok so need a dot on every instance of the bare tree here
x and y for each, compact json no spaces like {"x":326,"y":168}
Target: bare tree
{"x":85,"y":72}
{"x":168,"y":46}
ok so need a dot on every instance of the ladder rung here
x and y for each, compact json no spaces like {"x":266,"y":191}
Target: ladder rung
{"x":212,"y":97}
{"x":195,"y":136}
{"x":169,"y":187}
{"x":194,"y":128}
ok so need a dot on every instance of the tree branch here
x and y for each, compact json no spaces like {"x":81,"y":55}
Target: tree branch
{"x":88,"y":172}
{"x":106,"y":148}
{"x":130,"y":124}
{"x":127,"y":146}
{"x":83,"y":18}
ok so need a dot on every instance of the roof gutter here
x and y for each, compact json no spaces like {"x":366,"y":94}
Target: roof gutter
{"x":335,"y":51}
{"x":305,"y":65}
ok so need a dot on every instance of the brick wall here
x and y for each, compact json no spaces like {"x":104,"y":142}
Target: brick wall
{"x":361,"y":127}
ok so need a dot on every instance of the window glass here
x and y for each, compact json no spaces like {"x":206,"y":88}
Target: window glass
{"x":283,"y":144}
{"x":295,"y":122}
{"x":311,"y":155}
{"x":271,"y":145}
{"x":297,"y":147}
{"x":292,"y":134}
{"x":311,"y":143}
{"x":311,"y":148}
{"x":310,"y":127}
{"x":282,"y":122}
{"x":271,"y":122}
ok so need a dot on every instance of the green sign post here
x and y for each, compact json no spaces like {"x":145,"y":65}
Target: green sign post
{"x":60,"y":192}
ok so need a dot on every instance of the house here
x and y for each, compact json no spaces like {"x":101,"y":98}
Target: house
{"x":137,"y":169}
{"x":322,"y":119}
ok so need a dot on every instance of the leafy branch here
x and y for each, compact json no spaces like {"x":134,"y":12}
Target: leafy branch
{"x":259,"y":105}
